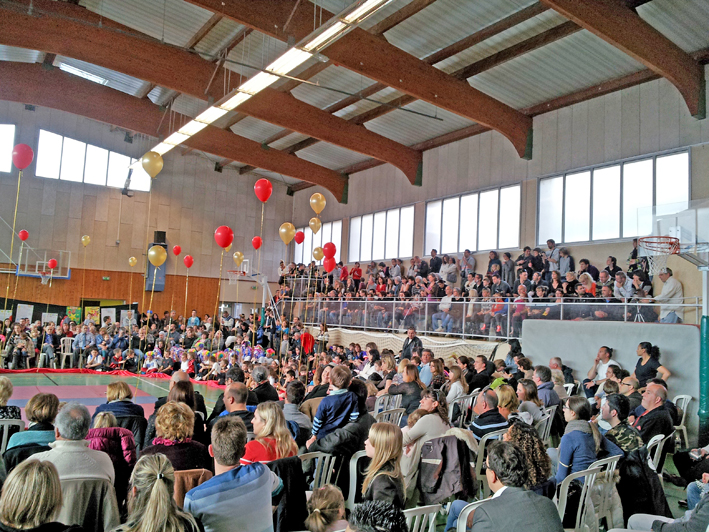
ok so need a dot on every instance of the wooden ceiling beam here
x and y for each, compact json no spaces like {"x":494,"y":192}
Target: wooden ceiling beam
{"x":620,"y":26}
{"x":375,"y":58}
{"x":30,"y":83}
{"x":68,"y":30}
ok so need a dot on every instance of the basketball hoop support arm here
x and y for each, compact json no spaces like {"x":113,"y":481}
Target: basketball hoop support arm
{"x":704,"y":362}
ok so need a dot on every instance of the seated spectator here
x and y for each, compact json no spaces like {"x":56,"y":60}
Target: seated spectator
{"x":529,"y":400}
{"x":263,"y":390}
{"x":119,"y":401}
{"x":527,"y":439}
{"x":181,"y":376}
{"x":384,"y":480}
{"x":488,"y":417}
{"x":338,"y":408}
{"x":174,"y":426}
{"x":233,"y":374}
{"x":234,"y":398}
{"x":482,"y":375}
{"x":321,"y":383}
{"x":410,"y":390}
{"x":623,"y":288}
{"x":582,"y":443}
{"x":295,"y":392}
{"x":511,"y":506}
{"x":273,"y":439}
{"x":597,"y":374}
{"x":615,"y":412}
{"x":40,"y":410}
{"x":31,"y":499}
{"x":656,"y":418}
{"x":181,"y":392}
{"x":545,"y":388}
{"x":629,"y":388}
{"x":7,"y":412}
{"x":456,"y":386}
{"x":246,"y":493}
{"x":648,"y":365}
{"x":438,"y":374}
{"x":151,"y":502}
{"x":557,"y":377}
{"x":326,"y":510}
{"x":377,"y":516}
{"x":693,"y":520}
{"x":555,"y":363}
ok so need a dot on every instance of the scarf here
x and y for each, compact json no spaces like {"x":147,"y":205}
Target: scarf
{"x":168,"y":443}
{"x":580,"y":425}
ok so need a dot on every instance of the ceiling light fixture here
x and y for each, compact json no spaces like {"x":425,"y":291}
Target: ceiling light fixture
{"x":308,"y":47}
{"x":82,"y":74}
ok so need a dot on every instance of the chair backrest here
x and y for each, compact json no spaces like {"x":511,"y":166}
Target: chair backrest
{"x":589,"y":476}
{"x":463,"y":516}
{"x":186,"y":480}
{"x":66,"y":345}
{"x":656,"y":456}
{"x":604,"y":484}
{"x":324,"y":463}
{"x":464,"y":402}
{"x":90,"y":503}
{"x":652,"y":446}
{"x":682,"y":402}
{"x":5,"y":426}
{"x":543,"y":426}
{"x":138,"y":425}
{"x":569,"y":388}
{"x":386,"y":402}
{"x":422,"y":518}
{"x":480,"y":461}
{"x":391,"y":416}
{"x":551,"y":410}
{"x":354,"y":461}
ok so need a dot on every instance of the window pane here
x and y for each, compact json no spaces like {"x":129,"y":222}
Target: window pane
{"x":406,"y":232}
{"x":140,"y":180}
{"x":7,"y":142}
{"x":73,"y":154}
{"x":365,"y":252}
{"x":468,"y":223}
{"x":317,"y":243}
{"x":326,"y":233}
{"x":606,"y":203}
{"x":308,"y":246}
{"x":117,"y":169}
{"x":551,"y":193}
{"x":337,"y":238}
{"x":509,"y":217}
{"x":298,"y":255}
{"x":488,"y":219}
{"x":637,"y":198}
{"x":392,"y":240}
{"x":577,"y":215}
{"x":433,"y":227}
{"x":96,"y":165}
{"x":355,"y":226}
{"x":672,"y":183}
{"x":380,"y":219}
{"x":449,"y":227}
{"x":49,"y":155}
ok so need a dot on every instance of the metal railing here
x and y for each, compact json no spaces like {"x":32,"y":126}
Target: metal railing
{"x":473,"y":318}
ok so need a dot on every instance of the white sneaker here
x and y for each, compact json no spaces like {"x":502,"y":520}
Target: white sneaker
{"x":440,"y":329}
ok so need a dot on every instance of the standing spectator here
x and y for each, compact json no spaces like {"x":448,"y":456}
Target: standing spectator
{"x":434,"y":264}
{"x":412,"y":342}
{"x":670,"y":297}
{"x":566,"y":261}
{"x":356,"y":273}
{"x":508,"y":269}
{"x":648,"y":365}
{"x":467,"y":264}
{"x":493,"y":260}
{"x":552,"y":258}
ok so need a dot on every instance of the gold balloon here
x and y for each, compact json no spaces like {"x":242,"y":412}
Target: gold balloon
{"x":315,"y":225}
{"x":228,"y":248}
{"x":157,"y":256}
{"x":318,"y":254}
{"x":152,"y":163}
{"x":86,"y":240}
{"x":317,"y":202}
{"x":238,"y":258}
{"x":132,"y":261}
{"x":286,"y":232}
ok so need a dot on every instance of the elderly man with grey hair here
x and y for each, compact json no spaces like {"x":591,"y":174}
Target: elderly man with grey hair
{"x":263,"y":390}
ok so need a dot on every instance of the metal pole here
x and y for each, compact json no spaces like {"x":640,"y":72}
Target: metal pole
{"x":704,"y":363}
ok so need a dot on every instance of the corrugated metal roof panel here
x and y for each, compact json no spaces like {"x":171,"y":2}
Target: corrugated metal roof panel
{"x":257,"y":50}
{"x":20,"y":55}
{"x":189,"y":106}
{"x":332,"y":77}
{"x":276,"y":178}
{"x":684,"y":23}
{"x":116,"y":80}
{"x":255,"y":129}
{"x":291,"y":139}
{"x":159,"y":95}
{"x":176,"y":20}
{"x":362,"y":106}
{"x":571,"y":64}
{"x":330,"y":156}
{"x":219,"y":37}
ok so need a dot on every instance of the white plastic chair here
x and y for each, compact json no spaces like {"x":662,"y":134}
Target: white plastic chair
{"x":589,"y":476}
{"x":604,"y":488}
{"x":6,"y":424}
{"x":480,"y":461}
{"x":682,"y":402}
{"x":569,"y":388}
{"x":464,"y":402}
{"x":551,"y":410}
{"x":422,"y":518}
{"x":356,"y":457}
{"x":67,"y":352}
{"x":391,"y":416}
{"x":543,"y":427}
{"x":465,"y":512}
{"x":324,"y":463}
{"x":386,"y":402}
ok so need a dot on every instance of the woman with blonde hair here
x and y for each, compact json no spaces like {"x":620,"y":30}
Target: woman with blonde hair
{"x":587,"y":281}
{"x":529,"y":400}
{"x":457,"y":386}
{"x":119,"y":401}
{"x":507,"y":401}
{"x":384,"y":480}
{"x":151,"y":501}
{"x":326,"y":510}
{"x":273,"y":439}
{"x":399,"y":377}
{"x":31,"y":499}
{"x":174,"y":426}
{"x":389,"y":370}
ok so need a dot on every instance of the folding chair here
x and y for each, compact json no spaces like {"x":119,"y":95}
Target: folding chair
{"x":480,"y":461}
{"x":67,"y":352}
{"x":682,"y":402}
{"x":589,"y":476}
{"x":386,"y":402}
{"x":422,"y":518}
{"x":543,"y":427}
{"x":391,"y":416}
{"x":569,"y":388}
{"x":324,"y":463}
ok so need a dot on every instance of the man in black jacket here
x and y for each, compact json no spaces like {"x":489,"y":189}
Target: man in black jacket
{"x":235,"y":374}
{"x":264,"y":391}
{"x":410,"y":344}
{"x":656,"y":419}
{"x":234,"y":398}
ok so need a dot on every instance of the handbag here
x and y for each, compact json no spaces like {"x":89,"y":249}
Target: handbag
{"x":452,"y":277}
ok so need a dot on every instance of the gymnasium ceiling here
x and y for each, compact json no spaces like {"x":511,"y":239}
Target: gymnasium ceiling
{"x":416,"y":75}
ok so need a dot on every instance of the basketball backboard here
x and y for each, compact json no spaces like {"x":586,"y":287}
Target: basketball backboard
{"x":34,"y":261}
{"x":689,"y":225}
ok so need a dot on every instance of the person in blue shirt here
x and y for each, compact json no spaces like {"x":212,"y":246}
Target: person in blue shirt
{"x":425,"y":370}
{"x":193,"y":321}
{"x":338,"y":408}
{"x":81,"y":344}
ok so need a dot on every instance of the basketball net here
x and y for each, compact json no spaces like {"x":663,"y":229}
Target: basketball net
{"x":234,"y":276}
{"x":657,"y":251}
{"x":44,"y":277}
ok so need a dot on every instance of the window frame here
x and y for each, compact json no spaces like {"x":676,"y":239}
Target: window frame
{"x":386,"y":222}
{"x":305,"y":229}
{"x":12,"y":145}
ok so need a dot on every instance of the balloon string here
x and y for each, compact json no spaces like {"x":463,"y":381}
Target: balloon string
{"x":145,"y":261}
{"x":155,"y":274}
{"x":83,"y":279}
{"x":172,"y":298}
{"x":130,"y":297}
{"x":258,"y":272}
{"x":12,"y":240}
{"x":17,"y":277}
{"x":187,"y":280}
{"x":305,"y":319}
{"x":219,"y":293}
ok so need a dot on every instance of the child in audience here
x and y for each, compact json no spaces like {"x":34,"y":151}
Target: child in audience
{"x":20,"y":353}
{"x":131,"y":362}
{"x":116,"y":359}
{"x":338,"y":408}
{"x":413,"y":418}
{"x":94,"y":360}
{"x":326,"y":510}
{"x":151,"y":364}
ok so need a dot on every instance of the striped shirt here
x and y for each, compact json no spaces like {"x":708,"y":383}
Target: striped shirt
{"x":489,"y":421}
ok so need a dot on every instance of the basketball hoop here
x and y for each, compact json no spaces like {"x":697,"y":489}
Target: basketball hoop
{"x":234,"y":276}
{"x":44,"y":277}
{"x":658,"y":249}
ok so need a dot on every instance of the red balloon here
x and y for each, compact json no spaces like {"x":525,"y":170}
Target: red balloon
{"x":256,"y":242}
{"x":223,"y":236}
{"x":176,"y":250}
{"x":22,"y":156}
{"x":329,"y":250}
{"x":24,"y":235}
{"x":329,"y":264}
{"x":52,"y":263}
{"x":263,"y":189}
{"x":299,"y":237}
{"x":188,"y":260}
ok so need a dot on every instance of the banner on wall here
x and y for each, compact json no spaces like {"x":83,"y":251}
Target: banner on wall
{"x":24,"y":312}
{"x":4,"y":314}
{"x":49,"y":317}
{"x":74,"y":314}
{"x":94,"y":314}
{"x":110,"y":312}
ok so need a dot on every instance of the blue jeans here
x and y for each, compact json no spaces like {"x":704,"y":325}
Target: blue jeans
{"x":695,"y":490}
{"x":672,"y":317}
{"x":454,"y":512}
{"x":444,"y":321}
